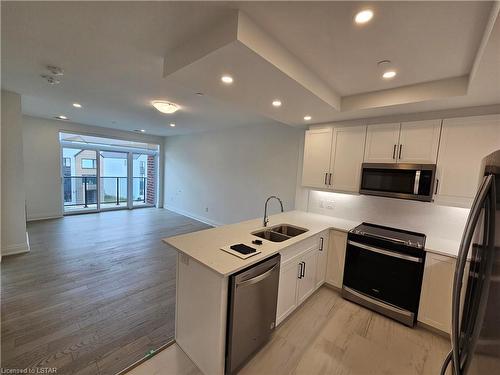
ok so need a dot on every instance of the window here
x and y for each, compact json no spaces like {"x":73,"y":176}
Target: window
{"x":67,"y":162}
{"x":88,"y":163}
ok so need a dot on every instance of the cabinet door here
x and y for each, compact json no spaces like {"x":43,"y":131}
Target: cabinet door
{"x":347,"y":157}
{"x":317,"y":153}
{"x":464,"y":144}
{"x":381,"y":143}
{"x":336,"y":257}
{"x":307,"y":284}
{"x":436,"y":293}
{"x":287,"y":290}
{"x":322,"y":259}
{"x":419,"y":142}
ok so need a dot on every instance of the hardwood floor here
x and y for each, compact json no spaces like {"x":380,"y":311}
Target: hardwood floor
{"x":329,"y":336}
{"x":95,"y":293}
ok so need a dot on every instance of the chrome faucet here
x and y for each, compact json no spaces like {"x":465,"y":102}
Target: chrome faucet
{"x":266,"y":219}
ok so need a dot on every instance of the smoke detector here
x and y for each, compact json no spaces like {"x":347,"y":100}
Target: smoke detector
{"x":51,"y":79}
{"x":55,"y":70}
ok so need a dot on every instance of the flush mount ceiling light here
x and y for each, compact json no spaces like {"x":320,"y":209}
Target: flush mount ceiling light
{"x":363,"y":16}
{"x":389,"y":74}
{"x":276,"y":103}
{"x":226,"y":79}
{"x":172,"y":125}
{"x":77,"y":105}
{"x":61,"y":117}
{"x":164,"y":106}
{"x":307,"y":118}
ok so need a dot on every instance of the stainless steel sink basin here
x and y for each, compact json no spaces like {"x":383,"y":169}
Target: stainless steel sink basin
{"x":288,"y":230}
{"x":280,"y":233}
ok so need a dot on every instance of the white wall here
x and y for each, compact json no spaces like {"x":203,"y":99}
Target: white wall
{"x":14,"y":238}
{"x":42,"y":165}
{"x":231,"y":172}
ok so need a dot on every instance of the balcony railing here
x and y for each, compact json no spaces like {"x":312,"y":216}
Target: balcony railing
{"x":82,"y":191}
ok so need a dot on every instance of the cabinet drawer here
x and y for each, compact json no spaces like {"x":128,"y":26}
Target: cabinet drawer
{"x":300,"y":247}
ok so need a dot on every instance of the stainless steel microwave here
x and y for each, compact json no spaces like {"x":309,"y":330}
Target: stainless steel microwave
{"x":405,"y":181}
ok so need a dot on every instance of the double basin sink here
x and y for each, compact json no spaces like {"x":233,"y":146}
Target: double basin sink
{"x":280,"y":232}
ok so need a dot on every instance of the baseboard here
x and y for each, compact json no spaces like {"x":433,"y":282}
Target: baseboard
{"x":44,"y":217}
{"x":192,"y":216}
{"x":17,"y":248}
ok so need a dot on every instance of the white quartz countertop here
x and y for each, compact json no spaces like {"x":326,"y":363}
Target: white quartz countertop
{"x":205,"y":246}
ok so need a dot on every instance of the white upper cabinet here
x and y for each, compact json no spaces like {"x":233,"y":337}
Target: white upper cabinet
{"x":464,"y":144}
{"x":382,"y":143}
{"x":317,"y":153}
{"x":333,"y":158}
{"x":347,"y":158}
{"x":419,"y":142}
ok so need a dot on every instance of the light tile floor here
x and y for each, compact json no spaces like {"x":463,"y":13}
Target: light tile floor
{"x":329,"y":335}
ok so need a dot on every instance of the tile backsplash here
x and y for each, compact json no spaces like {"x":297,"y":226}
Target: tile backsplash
{"x":429,"y":218}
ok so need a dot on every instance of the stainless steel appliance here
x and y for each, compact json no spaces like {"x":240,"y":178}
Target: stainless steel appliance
{"x":406,"y":181}
{"x":383,"y":270}
{"x":253,"y":295}
{"x":475,"y":331}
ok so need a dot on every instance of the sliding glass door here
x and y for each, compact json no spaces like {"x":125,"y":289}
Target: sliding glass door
{"x":99,"y":177}
{"x":113,"y":179}
{"x":79,"y":175}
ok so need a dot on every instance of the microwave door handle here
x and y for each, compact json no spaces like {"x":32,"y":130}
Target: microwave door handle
{"x":416,"y":183}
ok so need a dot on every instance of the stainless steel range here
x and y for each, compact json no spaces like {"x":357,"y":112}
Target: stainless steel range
{"x":383,"y":270}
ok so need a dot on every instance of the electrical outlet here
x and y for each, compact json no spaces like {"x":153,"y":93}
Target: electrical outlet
{"x":206,"y":209}
{"x":329,"y":205}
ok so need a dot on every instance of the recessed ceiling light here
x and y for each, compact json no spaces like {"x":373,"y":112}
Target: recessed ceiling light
{"x":164,"y":106}
{"x":61,"y":117}
{"x":276,"y":103}
{"x":77,"y":105}
{"x":389,"y":74}
{"x":199,"y":93}
{"x":172,"y":125}
{"x":307,"y":118}
{"x":140,"y":131}
{"x":364,"y":16}
{"x":227,"y":79}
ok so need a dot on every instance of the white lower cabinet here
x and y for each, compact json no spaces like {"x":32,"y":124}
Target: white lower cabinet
{"x":300,"y":274}
{"x":437,"y":288}
{"x":322,"y":262}
{"x":336,"y":258}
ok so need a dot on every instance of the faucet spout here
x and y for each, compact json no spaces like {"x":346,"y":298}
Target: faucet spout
{"x":266,"y":219}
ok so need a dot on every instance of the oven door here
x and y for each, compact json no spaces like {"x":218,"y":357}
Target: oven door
{"x":384,"y":275}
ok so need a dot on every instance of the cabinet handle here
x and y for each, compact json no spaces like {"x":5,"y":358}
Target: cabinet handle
{"x":326,"y":178}
{"x":330,"y":179}
{"x":394,"y":152}
{"x":304,"y":269}
{"x":300,"y":270}
{"x":400,"y":149}
{"x":321,"y":240}
{"x":437,"y":184}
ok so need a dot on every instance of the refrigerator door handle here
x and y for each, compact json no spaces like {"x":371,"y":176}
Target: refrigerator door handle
{"x":465,"y":244}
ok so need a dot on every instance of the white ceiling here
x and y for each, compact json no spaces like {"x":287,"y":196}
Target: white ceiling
{"x":112,"y":54}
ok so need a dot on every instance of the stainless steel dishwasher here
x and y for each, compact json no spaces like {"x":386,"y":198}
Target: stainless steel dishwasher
{"x":253,"y":295}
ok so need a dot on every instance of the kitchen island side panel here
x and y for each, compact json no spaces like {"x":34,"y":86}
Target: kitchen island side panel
{"x":201,"y":313}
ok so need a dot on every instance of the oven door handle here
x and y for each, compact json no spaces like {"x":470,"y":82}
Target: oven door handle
{"x":385,"y":252}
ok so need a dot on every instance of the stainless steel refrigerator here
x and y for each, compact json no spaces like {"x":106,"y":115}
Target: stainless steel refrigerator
{"x":475,"y":332}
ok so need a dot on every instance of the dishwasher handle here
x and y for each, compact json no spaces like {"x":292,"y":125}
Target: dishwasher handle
{"x":258,"y":278}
